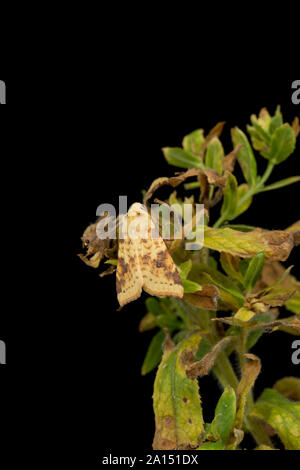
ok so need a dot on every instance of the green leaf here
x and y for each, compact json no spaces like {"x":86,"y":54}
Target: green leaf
{"x":113,"y":262}
{"x":203,"y":349}
{"x":212,"y":262}
{"x":281,"y":184}
{"x":230,"y":265}
{"x":154,"y":306}
{"x":275,"y":122}
{"x":148,"y":322}
{"x":190,"y":287}
{"x":229,"y":293}
{"x":241,"y":191}
{"x":293,"y":304}
{"x":229,"y":206}
{"x":215,"y":155}
{"x":261,"y":128}
{"x":280,"y":280}
{"x":245,"y":156}
{"x":154,"y":353}
{"x":184,"y":269}
{"x":212,"y":446}
{"x":257,"y":142}
{"x":282,"y":414}
{"x":168,"y":321}
{"x":254,"y":335}
{"x":254,"y":271}
{"x":264,"y":119}
{"x":178,"y":157}
{"x":180,"y":336}
{"x":283,"y":144}
{"x":194,"y":141}
{"x":192,"y":185}
{"x":224,"y":415}
{"x":241,"y":228}
{"x":176,"y":399}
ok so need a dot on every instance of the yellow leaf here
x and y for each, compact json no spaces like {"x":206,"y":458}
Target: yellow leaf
{"x":282,"y":414}
{"x":276,"y":244}
{"x":177,"y":405}
{"x":244,"y":314}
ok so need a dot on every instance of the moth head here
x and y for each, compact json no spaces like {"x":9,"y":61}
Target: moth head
{"x":137,"y":209}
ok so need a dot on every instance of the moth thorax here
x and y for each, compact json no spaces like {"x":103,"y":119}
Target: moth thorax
{"x":137,"y":209}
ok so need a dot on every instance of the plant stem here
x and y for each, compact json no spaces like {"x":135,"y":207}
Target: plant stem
{"x":225,"y":366}
{"x":243,"y":339}
{"x":266,"y":175}
{"x":219,"y":221}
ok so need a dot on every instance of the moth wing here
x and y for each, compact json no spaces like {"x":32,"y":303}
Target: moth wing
{"x":129,"y":280}
{"x":159,"y":272}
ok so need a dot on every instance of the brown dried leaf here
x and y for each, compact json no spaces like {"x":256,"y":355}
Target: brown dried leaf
{"x":209,"y":176}
{"x":295,"y":226}
{"x":296,"y":126}
{"x":236,"y":437}
{"x":172,"y":181}
{"x":295,"y":230}
{"x":270,"y":274}
{"x":249,"y":375}
{"x":169,"y":344}
{"x":112,"y":251}
{"x":279,"y":244}
{"x":93,"y":261}
{"x":277,"y":296}
{"x":108,"y":271}
{"x":217,"y":197}
{"x":292,"y":326}
{"x":213,"y":177}
{"x":205,"y":177}
{"x":205,"y":299}
{"x":289,"y":326}
{"x":230,"y":159}
{"x":216,"y":131}
{"x":204,"y":366}
{"x":228,"y":164}
{"x":204,"y":188}
{"x":226,"y":320}
{"x":95,"y":247}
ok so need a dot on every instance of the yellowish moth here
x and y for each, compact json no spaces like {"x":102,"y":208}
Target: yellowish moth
{"x":143,"y":260}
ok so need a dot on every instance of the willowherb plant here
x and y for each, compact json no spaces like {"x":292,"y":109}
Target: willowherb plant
{"x":217,"y":300}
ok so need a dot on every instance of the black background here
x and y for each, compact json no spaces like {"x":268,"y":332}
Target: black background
{"x":73,"y":361}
